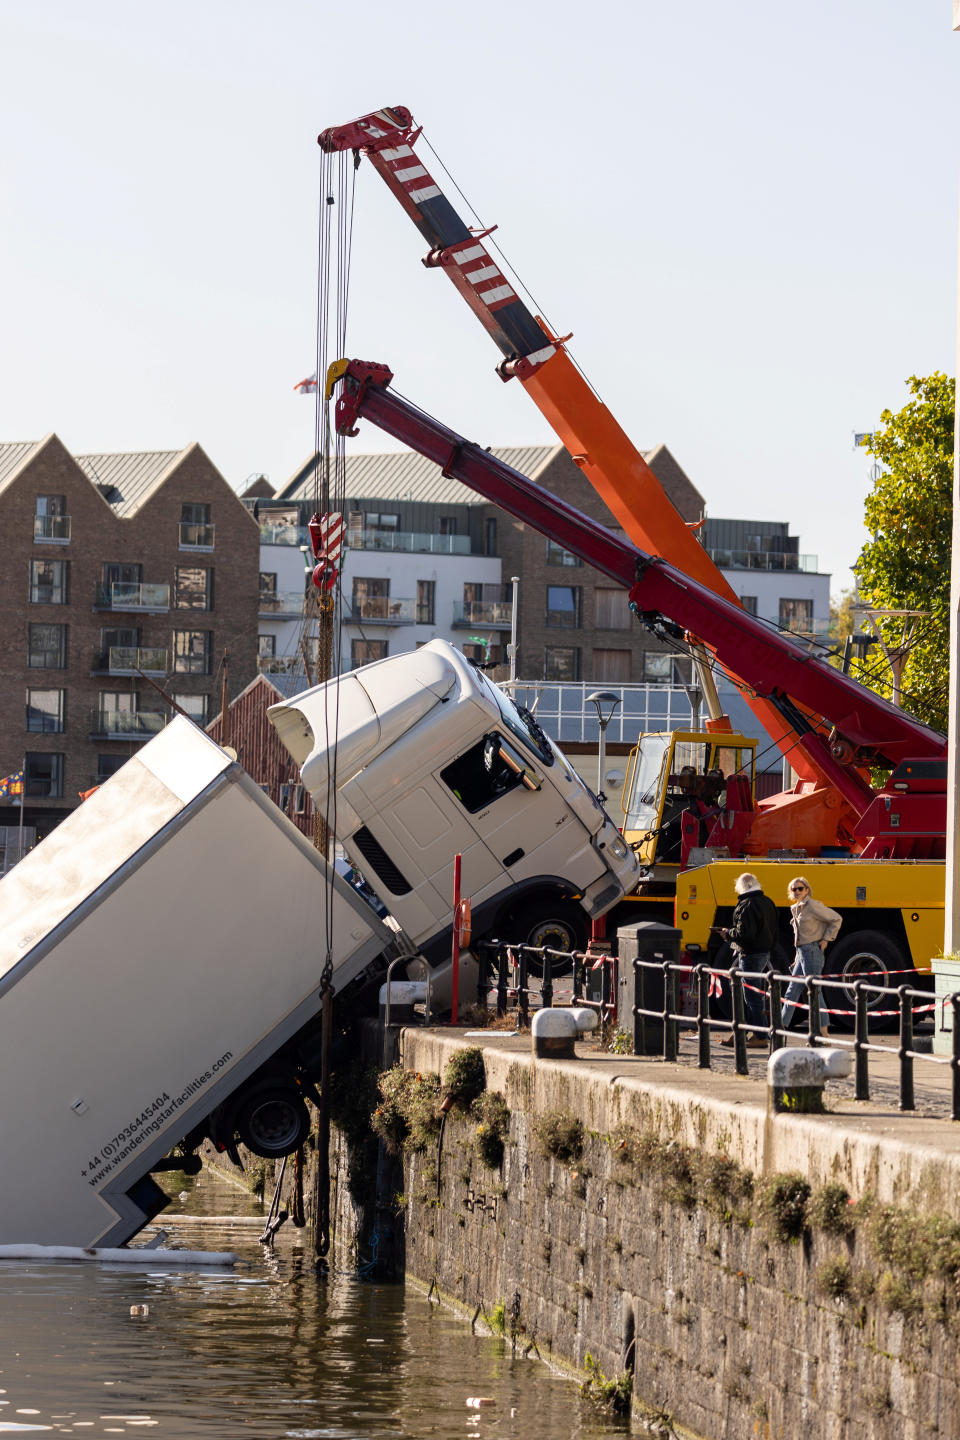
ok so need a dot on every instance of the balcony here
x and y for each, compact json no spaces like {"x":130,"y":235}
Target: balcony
{"x":195,"y":537}
{"x":284,"y":535}
{"x":496,"y":614}
{"x":150,"y":599}
{"x":767,"y":560}
{"x":382,"y":610}
{"x":126,"y":725}
{"x":409,"y":542}
{"x":51,"y":529}
{"x":130,"y":660}
{"x":280,"y":604}
{"x":281,"y":664}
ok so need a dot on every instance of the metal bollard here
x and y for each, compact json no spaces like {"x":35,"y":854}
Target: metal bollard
{"x":523,"y":997}
{"x":703,"y":1017}
{"x":906,"y":1046}
{"x":861,"y":1038}
{"x":739,"y":1033}
{"x":546,"y":984}
{"x":502,"y":963}
{"x":776,"y":1013}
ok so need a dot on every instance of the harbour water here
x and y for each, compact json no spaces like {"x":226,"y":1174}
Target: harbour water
{"x":262,"y":1350}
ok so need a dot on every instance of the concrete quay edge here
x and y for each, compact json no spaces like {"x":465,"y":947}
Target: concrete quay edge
{"x":871,"y":1149}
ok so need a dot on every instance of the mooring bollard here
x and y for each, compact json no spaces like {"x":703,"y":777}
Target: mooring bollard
{"x":796,"y":1077}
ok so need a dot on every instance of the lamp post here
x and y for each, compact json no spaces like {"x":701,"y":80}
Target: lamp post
{"x":606,"y":703}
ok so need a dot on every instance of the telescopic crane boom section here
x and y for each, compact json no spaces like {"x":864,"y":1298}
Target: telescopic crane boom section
{"x":864,"y":729}
{"x":537,"y":358}
{"x":598,"y":445}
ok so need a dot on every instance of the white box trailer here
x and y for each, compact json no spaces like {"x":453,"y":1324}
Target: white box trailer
{"x":419,"y":757}
{"x":160,"y":963}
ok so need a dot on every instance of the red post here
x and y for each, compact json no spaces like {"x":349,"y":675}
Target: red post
{"x":455,"y":977}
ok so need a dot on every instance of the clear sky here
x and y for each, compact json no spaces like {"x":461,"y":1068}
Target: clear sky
{"x":746,"y":213}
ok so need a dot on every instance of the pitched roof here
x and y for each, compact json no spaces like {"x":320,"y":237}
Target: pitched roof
{"x":128,"y":481}
{"x":402,"y":475}
{"x":13,"y":456}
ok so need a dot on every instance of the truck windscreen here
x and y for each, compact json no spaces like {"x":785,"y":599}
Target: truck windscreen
{"x":520,"y":723}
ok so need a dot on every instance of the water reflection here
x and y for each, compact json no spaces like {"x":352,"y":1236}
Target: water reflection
{"x":261,"y":1351}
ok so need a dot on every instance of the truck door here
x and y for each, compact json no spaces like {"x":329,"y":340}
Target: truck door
{"x":520,"y":816}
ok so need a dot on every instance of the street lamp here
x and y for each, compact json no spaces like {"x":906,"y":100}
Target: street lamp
{"x":606,"y":703}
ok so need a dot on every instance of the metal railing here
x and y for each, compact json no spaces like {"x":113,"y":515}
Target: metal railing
{"x":284,"y":534}
{"x":280,"y":602}
{"x":761,"y":560}
{"x":384,"y":610}
{"x":409,"y":541}
{"x":497,"y":613}
{"x":124,"y":724}
{"x":52,"y":529}
{"x":901,"y":1002}
{"x":658,"y":1017}
{"x":128,"y":659}
{"x":194,"y":536}
{"x":122,"y":596}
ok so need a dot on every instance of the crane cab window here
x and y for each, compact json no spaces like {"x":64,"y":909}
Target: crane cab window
{"x":489,"y":769}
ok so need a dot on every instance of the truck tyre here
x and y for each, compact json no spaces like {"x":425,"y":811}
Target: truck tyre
{"x":555,"y":924}
{"x":273,"y":1121}
{"x":865,"y":955}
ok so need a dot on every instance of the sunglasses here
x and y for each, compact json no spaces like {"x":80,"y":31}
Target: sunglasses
{"x":797,"y":889}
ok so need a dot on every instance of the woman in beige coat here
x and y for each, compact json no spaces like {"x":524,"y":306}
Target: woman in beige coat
{"x":814,"y":926}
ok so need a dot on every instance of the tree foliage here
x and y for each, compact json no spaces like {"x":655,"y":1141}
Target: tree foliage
{"x":906,"y":564}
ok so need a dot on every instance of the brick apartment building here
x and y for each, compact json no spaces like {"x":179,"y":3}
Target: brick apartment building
{"x":427,"y":556}
{"x":118,"y":571}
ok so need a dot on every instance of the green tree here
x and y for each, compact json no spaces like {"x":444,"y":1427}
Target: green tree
{"x":906,"y":564}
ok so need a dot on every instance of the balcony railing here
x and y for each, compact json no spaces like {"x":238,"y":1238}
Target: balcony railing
{"x":126,"y":725}
{"x":51,"y":529}
{"x":274,"y":603}
{"x":496,"y":613}
{"x":766,"y":560}
{"x":280,"y":664}
{"x":196,"y":537}
{"x":128,"y":659}
{"x":383,"y":610}
{"x":123,"y":596}
{"x":409,"y":541}
{"x":284,"y":535}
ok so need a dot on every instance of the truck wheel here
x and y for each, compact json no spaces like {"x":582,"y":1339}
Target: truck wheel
{"x":864,"y":955}
{"x":272,"y":1122}
{"x":556,"y":925}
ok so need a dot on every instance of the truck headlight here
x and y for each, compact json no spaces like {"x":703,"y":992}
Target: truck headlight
{"x":619,"y":847}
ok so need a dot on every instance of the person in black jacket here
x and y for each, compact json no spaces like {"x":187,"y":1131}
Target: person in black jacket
{"x":752,"y":933}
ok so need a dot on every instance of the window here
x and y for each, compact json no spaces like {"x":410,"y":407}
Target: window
{"x":121,"y":573}
{"x":45,"y":711}
{"x":382,"y":520}
{"x":48,"y":582}
{"x":268,"y":584}
{"x":561,"y":662}
{"x":426,"y":602}
{"x":371,"y":597}
{"x":613,"y":608}
{"x":489,"y":769}
{"x":108,"y":765}
{"x":191,"y":652}
{"x":556,"y":555}
{"x":749,"y":603}
{"x":563,"y":606}
{"x":490,"y":535}
{"x":611,"y":665}
{"x":196,"y":706}
{"x":662,"y":668}
{"x":51,"y":505}
{"x":44,"y":775}
{"x":196,"y":532}
{"x":193,"y":587}
{"x":362,"y":652}
{"x":796,"y":614}
{"x":47,"y":647}
{"x":51,"y":521}
{"x":267,"y":647}
{"x":446,"y":524}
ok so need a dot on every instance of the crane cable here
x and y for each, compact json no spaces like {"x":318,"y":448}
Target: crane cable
{"x":329,"y":492}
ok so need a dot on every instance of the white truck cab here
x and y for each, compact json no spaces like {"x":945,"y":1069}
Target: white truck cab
{"x":419,"y":757}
